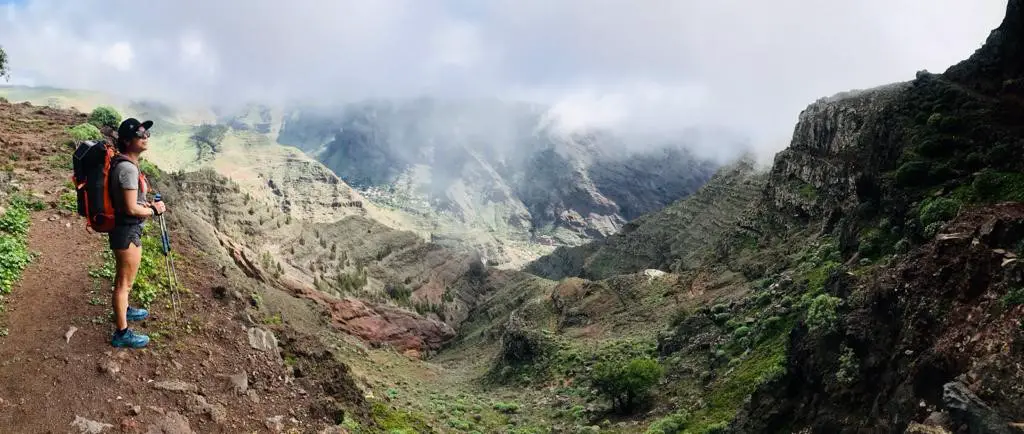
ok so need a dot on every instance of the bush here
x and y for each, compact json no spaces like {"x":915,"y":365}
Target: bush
{"x":150,"y":169}
{"x":14,"y":253}
{"x":849,"y":367}
{"x":872,"y":243}
{"x":83,"y":132}
{"x":104,"y":115}
{"x":938,"y":211}
{"x":913,"y":173}
{"x":822,"y":315}
{"x":991,"y":186}
{"x":671,"y":424}
{"x":624,"y":383}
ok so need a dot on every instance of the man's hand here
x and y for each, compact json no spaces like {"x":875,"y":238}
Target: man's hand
{"x":159,"y":207}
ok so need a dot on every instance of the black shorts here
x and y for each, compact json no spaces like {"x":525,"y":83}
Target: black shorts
{"x":124,"y":235}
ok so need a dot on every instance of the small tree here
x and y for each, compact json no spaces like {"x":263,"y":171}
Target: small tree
{"x":4,"y":72}
{"x":625,"y":382}
{"x":104,"y":115}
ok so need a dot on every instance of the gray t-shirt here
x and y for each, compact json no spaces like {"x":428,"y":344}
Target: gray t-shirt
{"x":126,"y":177}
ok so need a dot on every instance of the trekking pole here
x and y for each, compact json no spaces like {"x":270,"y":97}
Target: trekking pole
{"x":172,"y":276}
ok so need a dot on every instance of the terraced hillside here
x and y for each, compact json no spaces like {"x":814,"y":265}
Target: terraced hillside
{"x":672,"y":239}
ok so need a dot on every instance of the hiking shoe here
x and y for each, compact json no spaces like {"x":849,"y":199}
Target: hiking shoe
{"x":137,"y":314}
{"x":129,"y":339}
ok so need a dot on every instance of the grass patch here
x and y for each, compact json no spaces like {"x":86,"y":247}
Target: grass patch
{"x":395,"y":421}
{"x":14,"y":253}
{"x":60,"y":161}
{"x":68,"y":201}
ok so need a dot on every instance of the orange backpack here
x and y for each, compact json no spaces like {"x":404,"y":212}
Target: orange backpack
{"x":93,"y":162}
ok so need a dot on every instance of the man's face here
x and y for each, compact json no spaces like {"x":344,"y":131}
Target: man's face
{"x":141,"y":140}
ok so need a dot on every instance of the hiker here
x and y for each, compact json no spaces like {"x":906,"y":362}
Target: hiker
{"x":128,"y":190}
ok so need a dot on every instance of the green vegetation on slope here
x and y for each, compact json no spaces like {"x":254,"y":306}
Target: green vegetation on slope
{"x":14,"y":253}
{"x":717,"y":356}
{"x":105,"y":115}
{"x":676,"y":237}
{"x":83,"y":132}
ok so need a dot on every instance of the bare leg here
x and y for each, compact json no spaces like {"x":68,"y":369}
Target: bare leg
{"x":127,"y":261}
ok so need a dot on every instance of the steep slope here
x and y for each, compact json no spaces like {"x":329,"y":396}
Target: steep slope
{"x":670,"y":239}
{"x":873,"y":285}
{"x":935,"y":329}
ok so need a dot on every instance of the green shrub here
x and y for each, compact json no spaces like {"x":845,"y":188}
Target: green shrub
{"x":671,"y":424}
{"x":849,"y":367}
{"x":822,"y":315}
{"x":740,"y":332}
{"x":939,"y":210}
{"x":506,"y":407}
{"x":15,"y":221}
{"x":14,"y":253}
{"x":913,"y":173}
{"x":931,"y":230}
{"x":83,"y":132}
{"x":872,"y":242}
{"x":104,"y":115}
{"x":624,"y":383}
{"x":68,"y":201}
{"x":991,"y":186}
{"x":902,"y":246}
{"x":149,"y":169}
{"x":14,"y":257}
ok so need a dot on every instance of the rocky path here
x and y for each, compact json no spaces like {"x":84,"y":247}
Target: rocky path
{"x":203,"y":375}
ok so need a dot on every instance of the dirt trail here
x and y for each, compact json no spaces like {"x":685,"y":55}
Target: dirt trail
{"x":47,"y":382}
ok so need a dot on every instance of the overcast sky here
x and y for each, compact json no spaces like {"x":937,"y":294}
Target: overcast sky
{"x":747,"y":65}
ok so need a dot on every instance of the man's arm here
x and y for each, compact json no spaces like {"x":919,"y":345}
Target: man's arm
{"x":134,"y":208}
{"x":128,"y":179}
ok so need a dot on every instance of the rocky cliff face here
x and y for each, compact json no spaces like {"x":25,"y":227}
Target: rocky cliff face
{"x":914,"y":183}
{"x":495,"y":166}
{"x":829,"y":154}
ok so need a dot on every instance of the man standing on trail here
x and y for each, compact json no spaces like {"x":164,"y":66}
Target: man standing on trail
{"x":128,"y":190}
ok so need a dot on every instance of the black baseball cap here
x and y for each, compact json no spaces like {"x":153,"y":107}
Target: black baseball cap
{"x":131,"y":127}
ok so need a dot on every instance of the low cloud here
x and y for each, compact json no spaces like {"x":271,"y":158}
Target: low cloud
{"x":646,"y":65}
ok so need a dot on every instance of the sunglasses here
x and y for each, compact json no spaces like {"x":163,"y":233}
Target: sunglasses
{"x":142,"y":133}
